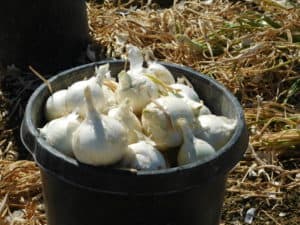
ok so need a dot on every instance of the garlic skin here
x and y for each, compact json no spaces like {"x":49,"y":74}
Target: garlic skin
{"x":56,"y":105}
{"x":75,"y":99}
{"x":191,"y":98}
{"x":216,"y":130}
{"x":125,"y":115}
{"x":186,"y":91}
{"x":140,"y":90}
{"x":192,"y":149}
{"x":143,"y":156}
{"x":204,"y":110}
{"x":135,"y":58}
{"x":110,"y":99}
{"x":160,"y":72}
{"x":108,"y":86}
{"x":99,"y":140}
{"x":58,"y":133}
{"x":159,"y":121}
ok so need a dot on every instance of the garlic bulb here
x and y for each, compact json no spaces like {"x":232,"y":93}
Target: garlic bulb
{"x":110,"y":98}
{"x":191,"y":98}
{"x":159,"y":120}
{"x":186,"y":91}
{"x":143,"y":156}
{"x":140,"y":90}
{"x":160,"y":72}
{"x":99,"y":140}
{"x":216,"y":130}
{"x":56,"y":105}
{"x":135,"y":58}
{"x":75,"y":100}
{"x":58,"y":133}
{"x":125,"y":115}
{"x":192,"y":149}
{"x":103,"y":71}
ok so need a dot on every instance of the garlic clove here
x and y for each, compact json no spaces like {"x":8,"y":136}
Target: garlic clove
{"x":216,"y":130}
{"x":130,"y":121}
{"x":58,"y":133}
{"x":56,"y":105}
{"x":160,"y":72}
{"x":192,"y":149}
{"x":143,"y":156}
{"x":99,"y":140}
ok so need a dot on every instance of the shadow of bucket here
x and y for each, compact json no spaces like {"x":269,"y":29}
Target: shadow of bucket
{"x":49,"y":35}
{"x":78,"y":194}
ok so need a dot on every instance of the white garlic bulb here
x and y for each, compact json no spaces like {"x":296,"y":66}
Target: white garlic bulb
{"x":125,"y":115}
{"x":192,"y":149}
{"x":135,"y":58}
{"x":99,"y":140}
{"x":75,"y":99}
{"x":216,"y":130}
{"x":140,"y":90}
{"x":160,"y":72}
{"x":59,"y":132}
{"x":110,"y":99}
{"x":143,"y":156}
{"x":186,"y":91}
{"x":159,"y":120}
{"x":56,"y":105}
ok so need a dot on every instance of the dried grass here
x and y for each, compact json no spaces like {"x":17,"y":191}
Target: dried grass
{"x":252,"y":47}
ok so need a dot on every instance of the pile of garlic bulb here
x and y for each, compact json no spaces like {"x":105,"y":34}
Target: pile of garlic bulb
{"x":135,"y":122}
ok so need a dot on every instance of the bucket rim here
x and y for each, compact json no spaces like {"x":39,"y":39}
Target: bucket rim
{"x":210,"y":163}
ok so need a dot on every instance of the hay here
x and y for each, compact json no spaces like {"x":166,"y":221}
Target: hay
{"x":252,"y":47}
{"x":20,"y":193}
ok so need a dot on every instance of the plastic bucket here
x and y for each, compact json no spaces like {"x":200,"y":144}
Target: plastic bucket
{"x":49,"y":35}
{"x":78,"y":194}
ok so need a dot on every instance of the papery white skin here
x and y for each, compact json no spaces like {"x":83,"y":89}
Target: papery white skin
{"x":159,"y":121}
{"x":99,"y":140}
{"x":143,"y":156}
{"x":140,"y":90}
{"x":110,"y":98}
{"x":186,"y":91}
{"x":135,"y":58}
{"x":75,"y":99}
{"x":59,"y":132}
{"x":160,"y":72}
{"x":108,"y":85}
{"x":216,"y":130}
{"x":125,"y":115}
{"x":56,"y":105}
{"x":103,"y":71}
{"x":192,"y":99}
{"x":192,"y":149}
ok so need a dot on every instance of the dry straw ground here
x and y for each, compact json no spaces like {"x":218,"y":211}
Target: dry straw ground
{"x":252,"y":47}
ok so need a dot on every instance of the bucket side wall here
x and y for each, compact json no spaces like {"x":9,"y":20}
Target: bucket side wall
{"x":70,"y":205}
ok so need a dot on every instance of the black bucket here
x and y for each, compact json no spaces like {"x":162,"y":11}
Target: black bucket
{"x":78,"y":194}
{"x":49,"y":35}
